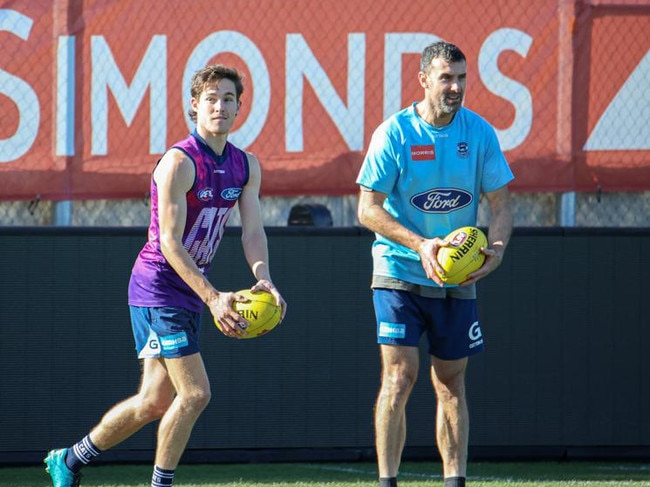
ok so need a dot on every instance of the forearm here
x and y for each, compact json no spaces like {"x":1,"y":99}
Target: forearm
{"x":500,"y":227}
{"x":255,"y":247}
{"x":378,"y":220}
{"x":189,"y":272}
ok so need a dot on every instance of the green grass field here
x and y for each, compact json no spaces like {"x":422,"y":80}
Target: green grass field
{"x":413,"y":474}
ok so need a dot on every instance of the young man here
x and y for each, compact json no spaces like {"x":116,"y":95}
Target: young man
{"x":194,"y":188}
{"x":423,"y":175}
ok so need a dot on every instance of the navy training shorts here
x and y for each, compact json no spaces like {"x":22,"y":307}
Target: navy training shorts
{"x":166,"y":332}
{"x":451,"y":324}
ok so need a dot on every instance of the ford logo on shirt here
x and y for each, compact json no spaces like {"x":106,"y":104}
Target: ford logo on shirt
{"x":231,"y":193}
{"x":442,"y":200}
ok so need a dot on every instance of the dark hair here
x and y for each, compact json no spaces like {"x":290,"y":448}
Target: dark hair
{"x":440,"y":50}
{"x":212,"y":74}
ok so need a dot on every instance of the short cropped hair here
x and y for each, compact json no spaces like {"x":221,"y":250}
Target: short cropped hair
{"x":440,"y":50}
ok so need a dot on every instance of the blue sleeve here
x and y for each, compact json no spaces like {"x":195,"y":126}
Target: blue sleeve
{"x":380,"y":168}
{"x":496,"y":171}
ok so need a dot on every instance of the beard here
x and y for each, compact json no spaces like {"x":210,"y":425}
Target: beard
{"x":450,"y":106}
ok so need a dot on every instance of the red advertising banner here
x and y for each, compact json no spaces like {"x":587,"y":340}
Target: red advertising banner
{"x":92,"y":93}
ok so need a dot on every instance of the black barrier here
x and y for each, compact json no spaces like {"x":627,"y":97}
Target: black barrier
{"x":563,"y":374}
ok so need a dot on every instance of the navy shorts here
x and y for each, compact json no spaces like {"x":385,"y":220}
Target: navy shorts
{"x":165,"y":332}
{"x":451,"y":324}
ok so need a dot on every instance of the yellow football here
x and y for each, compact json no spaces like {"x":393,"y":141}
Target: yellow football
{"x":260,"y":311}
{"x":463,"y":255}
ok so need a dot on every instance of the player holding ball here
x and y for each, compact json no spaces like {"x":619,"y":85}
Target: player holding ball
{"x":194,"y":188}
{"x":422,"y":177}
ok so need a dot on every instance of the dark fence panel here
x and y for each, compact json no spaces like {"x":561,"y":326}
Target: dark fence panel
{"x":564,"y":373}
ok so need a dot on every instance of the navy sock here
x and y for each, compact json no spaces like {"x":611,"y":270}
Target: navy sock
{"x":162,"y":477}
{"x":81,"y":454}
{"x":387,"y":481}
{"x":455,"y":482}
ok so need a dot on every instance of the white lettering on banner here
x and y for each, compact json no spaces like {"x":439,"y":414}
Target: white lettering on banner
{"x":242,"y":46}
{"x":302,"y":64}
{"x":23,"y":95}
{"x":152,"y":74}
{"x":65,"y":89}
{"x":612,"y":132}
{"x":398,"y":44}
{"x":496,"y":43}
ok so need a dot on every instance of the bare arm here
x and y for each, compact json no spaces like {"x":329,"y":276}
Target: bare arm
{"x":254,"y":241}
{"x":174,"y":177}
{"x":372,"y":215}
{"x":499,"y":232}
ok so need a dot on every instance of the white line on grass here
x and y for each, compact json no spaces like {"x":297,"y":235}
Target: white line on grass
{"x":624,"y":468}
{"x":401,"y":474}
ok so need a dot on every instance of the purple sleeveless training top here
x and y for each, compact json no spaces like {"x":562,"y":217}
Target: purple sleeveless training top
{"x":217,"y":186}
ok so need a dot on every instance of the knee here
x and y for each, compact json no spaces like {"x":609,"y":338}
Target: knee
{"x":153,"y":409}
{"x":398,"y":384}
{"x":203,"y":399}
{"x":195,"y":401}
{"x":451,"y":390}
